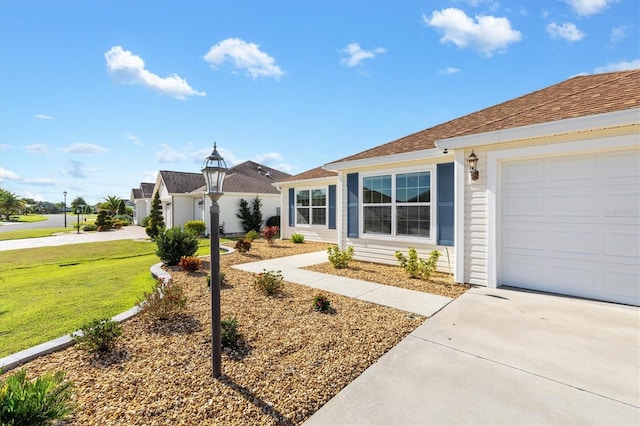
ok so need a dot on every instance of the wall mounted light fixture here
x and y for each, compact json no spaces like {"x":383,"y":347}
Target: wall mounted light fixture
{"x":472,"y":160}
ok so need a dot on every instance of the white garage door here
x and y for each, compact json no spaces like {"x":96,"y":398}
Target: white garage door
{"x":571,"y":225}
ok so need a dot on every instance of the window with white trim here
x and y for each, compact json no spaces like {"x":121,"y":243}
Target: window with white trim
{"x":311,"y":206}
{"x":397,"y":204}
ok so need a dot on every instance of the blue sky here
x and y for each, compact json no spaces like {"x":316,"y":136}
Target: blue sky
{"x":97,"y":96}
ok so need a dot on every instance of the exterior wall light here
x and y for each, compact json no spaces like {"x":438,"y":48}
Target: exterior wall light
{"x":473,"y":164}
{"x":214,"y":171}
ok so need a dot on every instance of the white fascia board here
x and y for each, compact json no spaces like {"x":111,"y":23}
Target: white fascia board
{"x":553,"y":128}
{"x":386,"y":159}
{"x":308,"y":182}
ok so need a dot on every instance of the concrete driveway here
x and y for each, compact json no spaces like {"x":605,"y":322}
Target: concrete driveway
{"x":504,"y":357}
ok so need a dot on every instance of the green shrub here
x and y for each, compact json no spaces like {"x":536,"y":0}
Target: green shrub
{"x":125,"y":219}
{"x":229,"y":332}
{"x":269,"y":282}
{"x":145,"y":221}
{"x":103,"y":221}
{"x":223,"y":279}
{"x":321,"y":303}
{"x":89,"y":227}
{"x":340,"y":259}
{"x":243,"y":246}
{"x":190,"y":263}
{"x":297,"y":238}
{"x":415,"y":267}
{"x":37,"y":402}
{"x":175,"y":243}
{"x":98,"y":335}
{"x":269,"y":233}
{"x":252,"y":235}
{"x":164,"y":302}
{"x":195,"y":227}
{"x":273,"y":221}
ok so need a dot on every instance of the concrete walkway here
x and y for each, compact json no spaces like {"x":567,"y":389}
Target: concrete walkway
{"x":126,"y":233}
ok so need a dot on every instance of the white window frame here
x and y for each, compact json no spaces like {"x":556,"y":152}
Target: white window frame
{"x":311,"y":207}
{"x":393,"y":237}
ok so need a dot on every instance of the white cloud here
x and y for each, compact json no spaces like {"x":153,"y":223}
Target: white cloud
{"x":33,"y":196}
{"x":39,"y":182}
{"x":129,"y":68}
{"x":170,"y":155}
{"x":450,"y":70}
{"x":133,"y":139}
{"x":619,"y":66}
{"x":43,"y":117}
{"x":485,"y":34}
{"x":8,"y":175}
{"x":618,"y":34}
{"x":37,"y":148}
{"x":589,"y":7}
{"x":4,"y":147}
{"x":355,"y":54}
{"x":83,"y":148}
{"x":244,"y":56}
{"x":567,"y":31}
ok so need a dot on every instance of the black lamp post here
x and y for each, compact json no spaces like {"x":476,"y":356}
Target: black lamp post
{"x":64,"y":208}
{"x":78,"y":213}
{"x":214,"y":171}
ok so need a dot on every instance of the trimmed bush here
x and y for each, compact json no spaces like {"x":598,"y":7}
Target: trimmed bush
{"x":145,"y":221}
{"x":195,"y":227}
{"x":34,"y":402}
{"x":98,"y":335}
{"x":175,"y":243}
{"x":89,"y":227}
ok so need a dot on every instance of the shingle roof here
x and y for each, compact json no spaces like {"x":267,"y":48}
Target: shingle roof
{"x":147,"y":189}
{"x":249,"y":177}
{"x":576,"y":97}
{"x":136,"y":193}
{"x":316,"y":173}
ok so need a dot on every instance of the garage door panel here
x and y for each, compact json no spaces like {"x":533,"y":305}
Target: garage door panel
{"x":576,"y":229}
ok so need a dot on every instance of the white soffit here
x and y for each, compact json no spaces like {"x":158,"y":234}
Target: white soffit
{"x":552,"y":128}
{"x":385,"y":159}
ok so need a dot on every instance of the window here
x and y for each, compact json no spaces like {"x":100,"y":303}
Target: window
{"x":311,"y":207}
{"x":397,"y":204}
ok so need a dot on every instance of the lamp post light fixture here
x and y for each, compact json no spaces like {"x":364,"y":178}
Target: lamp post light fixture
{"x":78,"y":213}
{"x":214,"y":171}
{"x":64,"y":208}
{"x":472,"y":160}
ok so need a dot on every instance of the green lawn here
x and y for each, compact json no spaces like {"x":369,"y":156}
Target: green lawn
{"x":29,"y":218}
{"x":65,"y":287}
{"x":32,"y":233}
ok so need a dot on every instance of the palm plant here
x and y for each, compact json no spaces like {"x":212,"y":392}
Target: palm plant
{"x":111,"y":204}
{"x":10,"y":203}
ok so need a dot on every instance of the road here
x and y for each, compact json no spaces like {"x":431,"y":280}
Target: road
{"x":53,"y":221}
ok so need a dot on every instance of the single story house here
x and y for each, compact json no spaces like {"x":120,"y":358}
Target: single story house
{"x":540,"y":192}
{"x":141,"y":198}
{"x":183,"y":195}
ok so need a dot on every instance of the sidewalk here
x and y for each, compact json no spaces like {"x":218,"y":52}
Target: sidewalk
{"x":130,"y":232}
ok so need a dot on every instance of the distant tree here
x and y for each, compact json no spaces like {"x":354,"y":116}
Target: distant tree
{"x":111,"y":204}
{"x":29,"y":205}
{"x":251,"y":220}
{"x":77,"y":202}
{"x":156,"y":220}
{"x":121,"y":207}
{"x":10,"y":203}
{"x":49,"y":207}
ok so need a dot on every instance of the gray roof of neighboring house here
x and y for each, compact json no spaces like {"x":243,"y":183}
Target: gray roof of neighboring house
{"x":147,"y":189}
{"x":249,"y":177}
{"x":136,"y":193}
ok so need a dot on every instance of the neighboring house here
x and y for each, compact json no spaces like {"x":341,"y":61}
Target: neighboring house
{"x":141,"y":199}
{"x":555,"y":206}
{"x":184,"y":198}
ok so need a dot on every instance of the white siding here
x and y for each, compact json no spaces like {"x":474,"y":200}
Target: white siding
{"x":475,"y":224}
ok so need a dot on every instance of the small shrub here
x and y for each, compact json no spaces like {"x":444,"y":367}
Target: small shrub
{"x":223,"y":279}
{"x":89,"y":227}
{"x":229,"y":332}
{"x":269,"y":282}
{"x":125,"y":219}
{"x":98,"y":335}
{"x":34,"y":402}
{"x":243,"y":246}
{"x":164,"y":302}
{"x":195,"y":227}
{"x":252,"y":235}
{"x":190,"y":263}
{"x":103,"y":221}
{"x":340,"y":259}
{"x":273,"y":221}
{"x":321,"y":303}
{"x":297,"y":238}
{"x":415,"y":267}
{"x":117,"y":224}
{"x":145,"y":221}
{"x":269,"y":233}
{"x":173,"y":244}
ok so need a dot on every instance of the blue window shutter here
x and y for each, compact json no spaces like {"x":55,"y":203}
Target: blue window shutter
{"x":446,"y":204}
{"x":352,"y":205}
{"x":292,"y":207}
{"x":332,"y":207}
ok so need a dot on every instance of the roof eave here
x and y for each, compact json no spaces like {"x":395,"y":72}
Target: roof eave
{"x":386,"y":159}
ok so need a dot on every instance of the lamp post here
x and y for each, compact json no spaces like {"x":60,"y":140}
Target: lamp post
{"x":78,"y":213}
{"x":214,"y":171}
{"x":64,"y":208}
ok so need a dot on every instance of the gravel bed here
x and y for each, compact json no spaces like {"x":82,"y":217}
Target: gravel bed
{"x":291,"y":360}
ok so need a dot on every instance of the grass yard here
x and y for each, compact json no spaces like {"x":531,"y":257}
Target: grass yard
{"x":29,"y":218}
{"x":32,"y":233}
{"x":48,"y":292}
